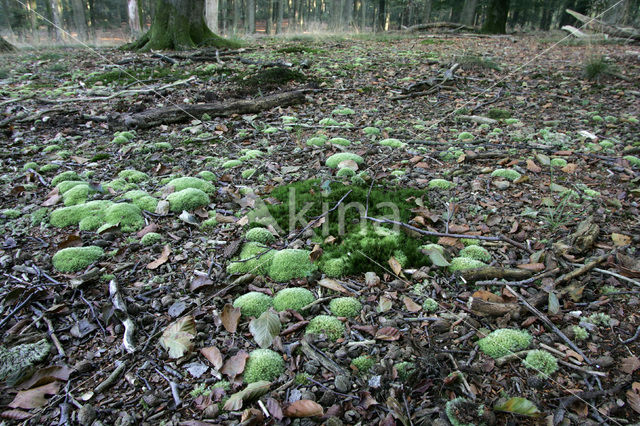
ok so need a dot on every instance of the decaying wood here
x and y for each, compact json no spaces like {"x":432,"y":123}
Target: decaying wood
{"x":491,"y":273}
{"x":320,"y":357}
{"x":576,"y":32}
{"x":582,"y":270}
{"x":182,"y":113}
{"x":449,"y":25}
{"x":600,"y":26}
{"x":493,"y":309}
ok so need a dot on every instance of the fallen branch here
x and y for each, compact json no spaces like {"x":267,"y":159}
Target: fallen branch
{"x":182,"y":113}
{"x":600,"y":26}
{"x":483,"y":307}
{"x":450,"y":25}
{"x":110,"y":381}
{"x":582,"y":270}
{"x":492,"y":273}
{"x":120,"y":311}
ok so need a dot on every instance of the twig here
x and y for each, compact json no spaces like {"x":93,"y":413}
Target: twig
{"x":109,"y":381}
{"x":17,"y":308}
{"x":175,"y":392}
{"x":583,"y":269}
{"x":582,"y":396}
{"x":120,"y":311}
{"x":518,"y":283}
{"x":54,"y":338}
{"x":622,"y":277}
{"x":548,"y":322}
{"x":632,"y":338}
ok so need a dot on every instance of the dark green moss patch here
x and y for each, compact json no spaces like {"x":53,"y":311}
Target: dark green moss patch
{"x":271,"y":78}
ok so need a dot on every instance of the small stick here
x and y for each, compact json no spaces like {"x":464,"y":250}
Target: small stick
{"x":54,"y":338}
{"x":582,"y":270}
{"x":261,"y":405}
{"x":175,"y":392}
{"x":613,"y":274}
{"x":109,"y":381}
{"x":17,"y":308}
{"x":549,"y":324}
{"x":632,"y":338}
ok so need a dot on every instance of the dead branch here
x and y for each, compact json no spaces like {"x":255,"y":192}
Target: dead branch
{"x":182,"y":113}
{"x":493,"y":309}
{"x":582,"y":270}
{"x":492,"y":272}
{"x":449,"y":25}
{"x":600,"y":26}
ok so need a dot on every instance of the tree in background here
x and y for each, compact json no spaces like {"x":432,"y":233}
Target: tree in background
{"x":5,"y":46}
{"x":496,"y":18}
{"x":179,"y":25}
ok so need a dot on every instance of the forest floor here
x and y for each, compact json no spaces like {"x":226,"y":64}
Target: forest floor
{"x":569,"y":144}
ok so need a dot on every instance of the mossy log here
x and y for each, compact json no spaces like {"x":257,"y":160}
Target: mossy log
{"x":182,"y":113}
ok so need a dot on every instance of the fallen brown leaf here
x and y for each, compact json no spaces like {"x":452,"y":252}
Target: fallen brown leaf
{"x":230,"y":317}
{"x":213,"y":355}
{"x":235,"y":365}
{"x":304,"y":408}
{"x":36,"y":397}
{"x":164,"y":257}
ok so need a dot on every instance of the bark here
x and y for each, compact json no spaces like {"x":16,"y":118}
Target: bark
{"x":183,"y":113}
{"x":496,"y":19}
{"x":363,"y":15}
{"x":178,"y":25}
{"x":382,"y":13}
{"x":80,"y":19}
{"x":427,"y":11}
{"x":468,"y":15}
{"x":236,"y":15}
{"x":251,"y":16}
{"x":33,"y":18}
{"x":134,"y":18}
{"x":57,"y":22}
{"x":211,"y":14}
{"x":450,"y":25}
{"x":280,"y":16}
{"x":4,"y":16}
{"x":5,"y":46}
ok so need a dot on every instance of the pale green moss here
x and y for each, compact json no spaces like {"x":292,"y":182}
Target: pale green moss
{"x":166,"y":146}
{"x":634,"y":161}
{"x":476,"y":252}
{"x":73,"y":259}
{"x":288,"y":264}
{"x":231,"y":163}
{"x":349,"y":307}
{"x":76,"y":195}
{"x":134,"y":176}
{"x":392,"y":142}
{"x":398,"y":173}
{"x":254,"y":258}
{"x":11,"y":213}
{"x":67,"y":216}
{"x":579,"y":333}
{"x":187,"y":199}
{"x":150,"y":239}
{"x":253,"y":304}
{"x":51,"y":148}
{"x":120,"y":140}
{"x":371,"y":131}
{"x":49,"y":168}
{"x":191,"y":182}
{"x":405,"y":370}
{"x":120,"y":185}
{"x":270,"y":130}
{"x":558,"y":162}
{"x":30,"y":165}
{"x":260,"y":235}
{"x":600,"y":318}
{"x":464,"y":263}
{"x":329,"y":122}
{"x":286,"y":119}
{"x":294,"y":298}
{"x":334,"y":268}
{"x":127,"y":216}
{"x":68,"y":175}
{"x":463,"y":406}
{"x":507,"y":174}
{"x":345,"y":172}
{"x":247,"y":174}
{"x":441,"y":184}
{"x":18,"y":360}
{"x":437,"y":247}
{"x":430,"y":305}
{"x":141,"y":199}
{"x":317,"y":141}
{"x":363,"y":363}
{"x":338,"y":158}
{"x":330,"y":326}
{"x":209,"y":223}
{"x":340,"y":141}
{"x":128,"y":135}
{"x":263,"y":364}
{"x":504,"y":341}
{"x":343,"y":111}
{"x":251,"y":154}
{"x":542,"y":362}
{"x":66,"y":185}
{"x":207,"y":175}
{"x":465,"y":136}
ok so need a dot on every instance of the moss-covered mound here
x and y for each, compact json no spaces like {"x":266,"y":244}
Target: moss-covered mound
{"x":254,"y":258}
{"x":294,"y":298}
{"x":75,"y":259}
{"x":288,"y":264}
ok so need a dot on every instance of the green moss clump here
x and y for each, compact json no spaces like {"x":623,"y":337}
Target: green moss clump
{"x":558,"y":162}
{"x":504,"y":341}
{"x":463,"y":412}
{"x":363,"y":363}
{"x":120,"y":184}
{"x":476,"y":252}
{"x":288,"y":264}
{"x":499,"y":114}
{"x":76,"y":195}
{"x":579,"y":333}
{"x":328,"y":122}
{"x":254,"y":258}
{"x":49,"y":168}
{"x":465,"y":136}
{"x":187,"y":199}
{"x":207,"y":175}
{"x":600,"y":319}
{"x":73,"y":259}
{"x":541,"y":361}
{"x":134,"y":176}
{"x":210,"y":223}
{"x":349,"y":307}
{"x":338,"y":158}
{"x":294,"y":298}
{"x":73,"y":215}
{"x":11,"y":213}
{"x":405,"y":370}
{"x":248,"y":173}
{"x":345,"y":172}
{"x":128,"y":216}
{"x":441,"y":184}
{"x":68,"y":175}
{"x":231,"y":163}
{"x":30,"y":165}
{"x":330,"y":326}
{"x":253,"y":304}
{"x":392,"y":142}
{"x":150,"y":239}
{"x":430,"y":305}
{"x":128,"y":135}
{"x":259,"y":235}
{"x":340,"y":141}
{"x":66,"y":185}
{"x":634,"y":161}
{"x":335,"y":268}
{"x":141,"y":199}
{"x":371,"y":131}
{"x":263,"y":364}
{"x":507,"y":174}
{"x":464,"y":263}
{"x":343,"y":111}
{"x":191,"y":182}
{"x":119,"y":140}
{"x":251,"y":154}
{"x":317,"y":141}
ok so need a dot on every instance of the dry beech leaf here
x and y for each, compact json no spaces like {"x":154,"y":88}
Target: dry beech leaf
{"x":315,"y":253}
{"x":487,"y":296}
{"x":411,"y":305}
{"x":213,"y":355}
{"x":47,"y":375}
{"x":388,"y":334}
{"x":630,"y":364}
{"x":395,"y":266}
{"x":164,"y":257}
{"x":230,"y":317}
{"x":34,"y":398}
{"x":15,"y":415}
{"x":265,"y":328}
{"x":304,"y":408}
{"x":177,"y":338}
{"x":620,"y":240}
{"x":533,"y":167}
{"x":235,"y":365}
{"x":333,"y":285}
{"x":384,"y":304}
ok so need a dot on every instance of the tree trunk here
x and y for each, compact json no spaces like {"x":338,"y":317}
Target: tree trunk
{"x":5,"y":22}
{"x":179,"y":25}
{"x":496,"y":19}
{"x":251,"y":16}
{"x":134,"y":18}
{"x":381,"y":16}
{"x":427,"y":12}
{"x":468,"y":15}
{"x":363,"y":15}
{"x":58,"y":33}
{"x":280,"y":16}
{"x":5,"y":46}
{"x":211,"y":14}
{"x":80,"y":19}
{"x":236,"y":15}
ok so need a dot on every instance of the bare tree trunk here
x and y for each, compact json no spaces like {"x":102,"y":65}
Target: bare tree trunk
{"x":280,"y":16}
{"x":80,"y":19}
{"x":270,"y":17}
{"x":496,"y":19}
{"x":469,"y":12}
{"x":33,"y":19}
{"x":363,"y":15}
{"x":211,"y":14}
{"x":56,"y":9}
{"x":236,"y":15}
{"x":427,"y":12}
{"x":4,"y":16}
{"x":251,"y":16}
{"x":134,"y":18}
